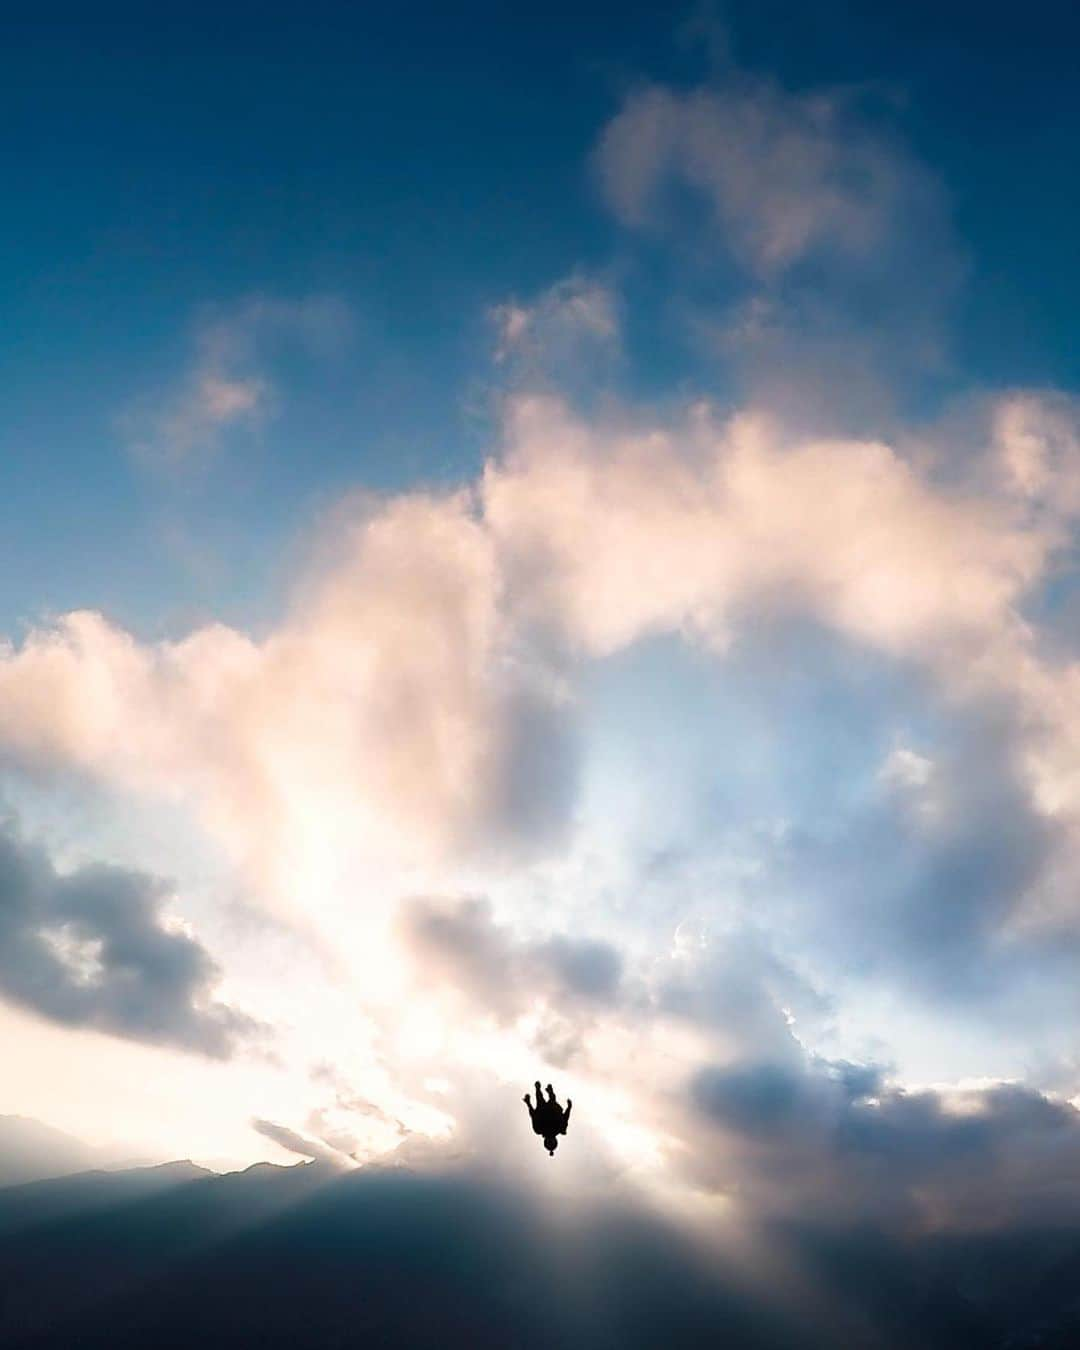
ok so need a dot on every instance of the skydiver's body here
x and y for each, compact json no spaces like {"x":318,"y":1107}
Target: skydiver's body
{"x":548,"y":1118}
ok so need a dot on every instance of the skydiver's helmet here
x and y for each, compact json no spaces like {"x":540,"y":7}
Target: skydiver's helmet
{"x":551,"y":1143}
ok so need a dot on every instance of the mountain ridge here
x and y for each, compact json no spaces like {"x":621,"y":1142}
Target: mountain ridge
{"x":175,"y":1256}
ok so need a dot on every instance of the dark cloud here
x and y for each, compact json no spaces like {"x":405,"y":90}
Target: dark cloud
{"x":835,"y":1142}
{"x":460,"y":943}
{"x":752,"y":1099}
{"x":795,"y":1136}
{"x":91,"y":948}
{"x":583,"y":966}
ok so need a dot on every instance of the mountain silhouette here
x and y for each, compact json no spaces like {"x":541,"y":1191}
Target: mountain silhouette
{"x":175,"y":1257}
{"x":302,"y":1255}
{"x":66,"y":1198}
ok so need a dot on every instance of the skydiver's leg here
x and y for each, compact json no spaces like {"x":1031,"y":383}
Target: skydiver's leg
{"x":551,"y":1094}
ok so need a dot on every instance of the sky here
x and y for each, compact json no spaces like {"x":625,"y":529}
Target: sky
{"x":544,"y":545}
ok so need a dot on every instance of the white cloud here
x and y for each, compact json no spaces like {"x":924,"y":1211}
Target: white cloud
{"x":392,"y":711}
{"x":616,"y":533}
{"x":418,"y":690}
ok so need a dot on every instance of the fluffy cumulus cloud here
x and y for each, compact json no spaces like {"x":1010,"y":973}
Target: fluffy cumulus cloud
{"x":393,"y":702}
{"x":616,"y":533}
{"x":93,"y":948}
{"x":419,"y":694}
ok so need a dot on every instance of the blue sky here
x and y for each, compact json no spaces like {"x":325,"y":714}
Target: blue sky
{"x":419,"y":173}
{"x":543,"y":538}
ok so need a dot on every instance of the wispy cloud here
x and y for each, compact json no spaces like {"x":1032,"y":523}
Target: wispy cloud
{"x":828,"y":239}
{"x":784,"y":175}
{"x":555,"y":326}
{"x":226,"y":389}
{"x":292,"y":1142}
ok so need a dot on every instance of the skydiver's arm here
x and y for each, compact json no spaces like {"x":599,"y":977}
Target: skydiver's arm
{"x":566,"y":1114}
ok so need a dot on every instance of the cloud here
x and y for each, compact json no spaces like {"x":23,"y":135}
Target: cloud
{"x":393,"y":709}
{"x":1036,"y":442}
{"x":565,"y":338}
{"x":719,"y":517}
{"x":418,"y":698}
{"x":958,"y":852}
{"x":751,"y":1099}
{"x":92,"y":948}
{"x":460,"y":943}
{"x":700,"y":1051}
{"x":837,"y":1143}
{"x":225,"y":389}
{"x":812,"y":255}
{"x":784,"y":176}
{"x":412,"y":724}
{"x":737,"y":989}
{"x":187,"y":424}
{"x":297,"y":1143}
{"x":349,"y":1122}
{"x":193,"y":420}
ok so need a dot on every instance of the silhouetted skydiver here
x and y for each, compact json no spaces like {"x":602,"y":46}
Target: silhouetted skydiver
{"x":548,"y":1118}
